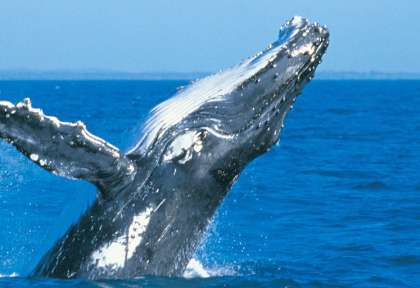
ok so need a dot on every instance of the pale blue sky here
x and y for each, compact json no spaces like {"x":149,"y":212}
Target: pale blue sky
{"x":192,"y":35}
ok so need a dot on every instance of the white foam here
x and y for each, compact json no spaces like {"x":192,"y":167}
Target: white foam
{"x":196,"y":270}
{"x":12,"y":275}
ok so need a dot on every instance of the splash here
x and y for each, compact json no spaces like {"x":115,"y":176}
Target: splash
{"x":196,"y":269}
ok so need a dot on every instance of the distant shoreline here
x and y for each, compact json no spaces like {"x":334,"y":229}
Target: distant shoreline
{"x":111,"y":75}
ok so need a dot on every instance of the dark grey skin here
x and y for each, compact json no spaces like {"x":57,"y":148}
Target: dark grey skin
{"x":156,"y":201}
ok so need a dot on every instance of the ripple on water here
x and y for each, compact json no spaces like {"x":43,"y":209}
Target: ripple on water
{"x":356,"y":247}
{"x":375,"y":185}
{"x":341,"y":111}
{"x":343,"y":174}
{"x":404,"y":260}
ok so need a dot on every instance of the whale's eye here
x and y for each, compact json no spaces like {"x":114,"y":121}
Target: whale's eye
{"x":184,"y":146}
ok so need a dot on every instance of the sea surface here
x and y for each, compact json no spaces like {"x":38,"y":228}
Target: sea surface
{"x":335,"y":204}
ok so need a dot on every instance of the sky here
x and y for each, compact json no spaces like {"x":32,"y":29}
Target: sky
{"x":200,"y":36}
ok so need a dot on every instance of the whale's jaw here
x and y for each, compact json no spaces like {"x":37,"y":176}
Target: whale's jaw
{"x":292,"y":62}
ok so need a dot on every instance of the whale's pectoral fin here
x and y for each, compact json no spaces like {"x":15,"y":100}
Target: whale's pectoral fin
{"x":64,"y":148}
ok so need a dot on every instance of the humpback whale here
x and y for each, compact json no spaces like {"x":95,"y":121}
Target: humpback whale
{"x":155,"y":202}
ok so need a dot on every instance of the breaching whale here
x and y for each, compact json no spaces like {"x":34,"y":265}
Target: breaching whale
{"x":155,"y":201}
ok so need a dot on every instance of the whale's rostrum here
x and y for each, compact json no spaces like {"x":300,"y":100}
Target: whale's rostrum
{"x":155,"y":201}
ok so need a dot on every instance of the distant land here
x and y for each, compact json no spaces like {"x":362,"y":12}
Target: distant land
{"x":119,"y":75}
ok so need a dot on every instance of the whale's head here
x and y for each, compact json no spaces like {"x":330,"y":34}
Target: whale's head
{"x":225,"y":120}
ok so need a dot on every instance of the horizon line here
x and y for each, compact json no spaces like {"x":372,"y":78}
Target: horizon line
{"x":104,"y":74}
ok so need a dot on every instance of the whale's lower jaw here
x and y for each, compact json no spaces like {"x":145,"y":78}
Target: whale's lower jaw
{"x":156,"y":201}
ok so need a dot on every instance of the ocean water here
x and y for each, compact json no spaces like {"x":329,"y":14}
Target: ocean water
{"x":335,"y":204}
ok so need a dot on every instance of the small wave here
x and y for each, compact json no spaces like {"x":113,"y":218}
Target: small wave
{"x":405,"y":260}
{"x":348,"y":174}
{"x":12,"y":275}
{"x":354,"y":247}
{"x":376,"y":185}
{"x":338,"y":111}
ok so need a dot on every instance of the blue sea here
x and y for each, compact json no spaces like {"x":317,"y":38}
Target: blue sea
{"x":335,"y":204}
